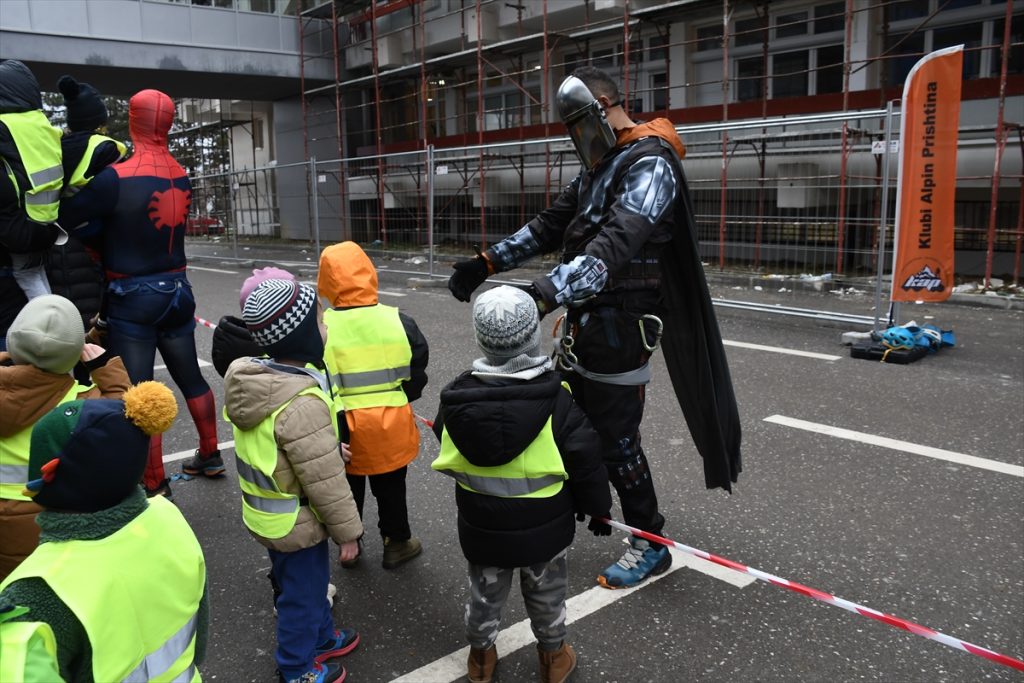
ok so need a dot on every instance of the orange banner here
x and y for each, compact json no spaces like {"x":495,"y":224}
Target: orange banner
{"x":923,"y":262}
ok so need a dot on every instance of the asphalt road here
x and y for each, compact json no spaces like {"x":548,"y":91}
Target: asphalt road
{"x":936,"y":541}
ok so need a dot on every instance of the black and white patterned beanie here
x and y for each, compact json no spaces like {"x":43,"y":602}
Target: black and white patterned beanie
{"x":507,"y":325}
{"x":281,"y":317}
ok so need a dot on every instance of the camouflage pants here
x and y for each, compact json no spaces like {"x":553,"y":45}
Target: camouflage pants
{"x":543,"y":585}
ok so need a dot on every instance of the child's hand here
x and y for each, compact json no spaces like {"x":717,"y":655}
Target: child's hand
{"x":91,"y":351}
{"x":349,"y":551}
{"x":346,"y":452}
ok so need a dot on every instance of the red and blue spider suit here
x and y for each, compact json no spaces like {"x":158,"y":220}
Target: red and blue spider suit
{"x":142,"y":205}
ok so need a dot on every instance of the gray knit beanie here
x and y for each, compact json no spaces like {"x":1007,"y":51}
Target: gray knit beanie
{"x":48,"y":334}
{"x":507,"y":325}
{"x":281,"y":317}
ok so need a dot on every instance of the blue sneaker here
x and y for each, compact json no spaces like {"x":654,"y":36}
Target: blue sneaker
{"x":638,"y":562}
{"x":345,"y":640}
{"x":320,"y":673}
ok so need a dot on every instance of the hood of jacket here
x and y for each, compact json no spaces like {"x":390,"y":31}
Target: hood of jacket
{"x":493,"y":420}
{"x":150,"y":114}
{"x":26,"y":394}
{"x":347,"y":277}
{"x":19,"y":89}
{"x":252,"y":391}
{"x":660,"y":127}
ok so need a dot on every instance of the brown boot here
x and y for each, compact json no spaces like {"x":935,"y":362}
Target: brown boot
{"x":556,"y":665}
{"x":481,"y":664}
{"x":397,"y":553}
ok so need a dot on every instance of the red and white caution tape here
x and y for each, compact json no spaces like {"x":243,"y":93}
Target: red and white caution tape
{"x":429,"y":423}
{"x":910,"y":626}
{"x":205,"y":323}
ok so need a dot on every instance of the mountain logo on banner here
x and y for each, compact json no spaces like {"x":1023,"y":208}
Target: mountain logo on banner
{"x":924,"y":279}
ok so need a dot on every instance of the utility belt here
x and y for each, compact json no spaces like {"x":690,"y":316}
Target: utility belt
{"x":567,"y":327}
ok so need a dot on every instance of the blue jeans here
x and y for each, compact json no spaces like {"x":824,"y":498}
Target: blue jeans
{"x":303,"y":614}
{"x":151,"y":312}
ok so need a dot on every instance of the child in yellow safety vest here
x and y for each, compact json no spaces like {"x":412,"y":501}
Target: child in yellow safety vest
{"x":377,"y":358}
{"x":45,"y":341}
{"x":291,"y":472}
{"x":525,"y":459}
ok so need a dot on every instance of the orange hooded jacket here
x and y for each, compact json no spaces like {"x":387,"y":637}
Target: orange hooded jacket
{"x":382,"y":439}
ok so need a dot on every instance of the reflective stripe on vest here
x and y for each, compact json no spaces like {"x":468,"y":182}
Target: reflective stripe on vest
{"x":14,"y":451}
{"x":78,"y":179}
{"x":137,"y":628}
{"x":266,"y":510}
{"x":29,"y":652}
{"x":368,"y":355}
{"x":537,"y":472}
{"x":38,"y":145}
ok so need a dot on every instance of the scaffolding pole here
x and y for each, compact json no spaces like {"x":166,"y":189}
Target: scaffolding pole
{"x":1000,"y":144}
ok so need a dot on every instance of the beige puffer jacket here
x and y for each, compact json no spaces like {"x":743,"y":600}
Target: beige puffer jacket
{"x":309,"y":461}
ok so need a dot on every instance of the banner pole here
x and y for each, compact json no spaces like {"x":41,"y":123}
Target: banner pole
{"x":883,"y":226}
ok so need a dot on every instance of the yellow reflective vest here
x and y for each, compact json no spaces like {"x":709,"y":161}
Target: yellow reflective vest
{"x":38,"y":146}
{"x":368,"y":355}
{"x":78,"y":178}
{"x":537,"y":472}
{"x":14,"y":451}
{"x":142,"y":623}
{"x":266,"y":510}
{"x":29,"y":652}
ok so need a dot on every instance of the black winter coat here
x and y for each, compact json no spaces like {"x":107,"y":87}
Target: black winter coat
{"x":491,"y":421}
{"x":74,"y":275}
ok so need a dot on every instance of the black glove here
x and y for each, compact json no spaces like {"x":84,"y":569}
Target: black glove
{"x":599,"y":528}
{"x":469,"y":274}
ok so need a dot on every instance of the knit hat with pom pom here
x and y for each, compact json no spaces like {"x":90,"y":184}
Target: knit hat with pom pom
{"x":86,"y":110}
{"x":89,"y":455}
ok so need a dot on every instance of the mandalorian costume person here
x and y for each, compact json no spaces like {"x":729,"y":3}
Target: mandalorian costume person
{"x":629,"y":273}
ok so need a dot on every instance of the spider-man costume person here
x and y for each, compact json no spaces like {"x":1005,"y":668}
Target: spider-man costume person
{"x":142,"y":204}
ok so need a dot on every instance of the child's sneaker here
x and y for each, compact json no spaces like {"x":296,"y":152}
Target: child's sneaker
{"x":209,"y":466}
{"x":329,"y":672}
{"x":397,"y":553}
{"x":345,"y":640}
{"x":638,"y":562}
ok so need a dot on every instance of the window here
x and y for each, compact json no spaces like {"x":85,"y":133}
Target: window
{"x":257,"y":133}
{"x":970,"y":35}
{"x":902,"y":52}
{"x":794,"y":24}
{"x":574,"y":61}
{"x":1016,"y":63}
{"x":789,"y":74}
{"x":750,"y":84}
{"x":504,"y":110}
{"x":659,"y":92}
{"x":750,"y":31}
{"x":831,"y":17}
{"x":829,"y":73}
{"x":603,"y":59}
{"x":709,"y":38}
{"x":656,"y":48}
{"x":913,"y":9}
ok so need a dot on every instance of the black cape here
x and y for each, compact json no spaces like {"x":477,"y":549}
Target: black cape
{"x":694,"y":355}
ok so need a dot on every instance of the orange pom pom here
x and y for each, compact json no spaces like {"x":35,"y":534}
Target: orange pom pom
{"x":150,"y":406}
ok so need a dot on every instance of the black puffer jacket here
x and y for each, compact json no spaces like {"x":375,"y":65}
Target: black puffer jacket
{"x":491,"y":421}
{"x":75,"y":275}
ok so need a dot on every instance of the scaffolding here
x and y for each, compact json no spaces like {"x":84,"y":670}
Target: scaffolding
{"x":395,"y":61}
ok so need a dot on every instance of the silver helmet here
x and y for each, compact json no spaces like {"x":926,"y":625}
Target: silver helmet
{"x":584,"y":116}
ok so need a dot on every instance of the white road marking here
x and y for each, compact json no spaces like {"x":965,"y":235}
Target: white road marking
{"x":181,"y":455}
{"x":906,"y":446}
{"x":202,"y":364}
{"x":453,"y":666}
{"x":387,"y":293}
{"x":778,"y":349}
{"x":214,"y":270}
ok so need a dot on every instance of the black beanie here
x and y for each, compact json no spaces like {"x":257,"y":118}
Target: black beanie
{"x":86,"y":110}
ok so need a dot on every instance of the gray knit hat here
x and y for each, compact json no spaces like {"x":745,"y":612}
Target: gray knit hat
{"x":506,"y":323}
{"x":48,"y":334}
